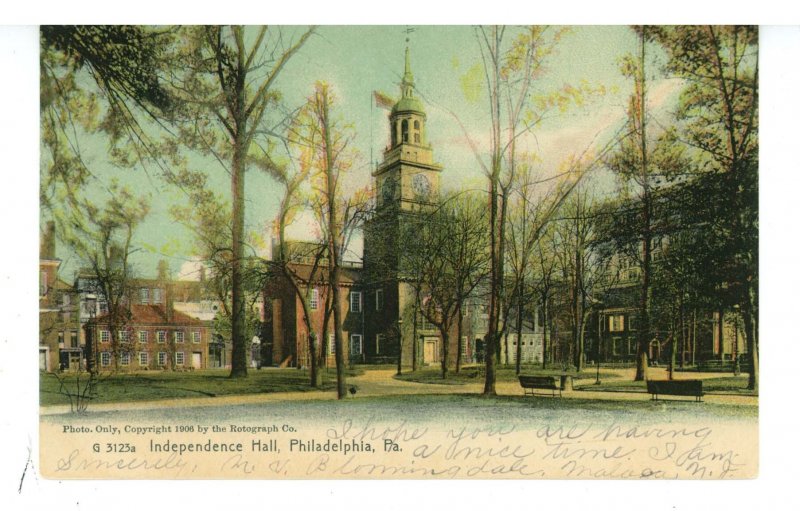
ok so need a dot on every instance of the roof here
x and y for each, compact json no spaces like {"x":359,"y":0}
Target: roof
{"x":347,"y":275}
{"x":156,"y":315}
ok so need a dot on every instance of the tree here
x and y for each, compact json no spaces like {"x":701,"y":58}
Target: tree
{"x":96,"y":79}
{"x":326,"y":147}
{"x":448,"y":257}
{"x":718,"y":115}
{"x":226,"y":89}
{"x":103,"y":239}
{"x":641,"y":162}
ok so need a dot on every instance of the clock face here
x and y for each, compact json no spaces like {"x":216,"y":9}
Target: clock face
{"x":421,"y":185}
{"x":388,"y":188}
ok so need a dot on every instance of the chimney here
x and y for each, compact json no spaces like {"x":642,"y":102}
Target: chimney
{"x":170,"y":301}
{"x":163,"y":270}
{"x":47,"y":248}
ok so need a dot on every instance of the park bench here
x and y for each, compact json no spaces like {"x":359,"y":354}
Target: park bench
{"x":532,"y":383}
{"x":676,"y":388}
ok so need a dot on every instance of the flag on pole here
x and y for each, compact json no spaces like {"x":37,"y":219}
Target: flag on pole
{"x":383,"y":100}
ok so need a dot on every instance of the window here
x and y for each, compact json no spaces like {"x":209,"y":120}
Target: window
{"x":162,"y":358}
{"x":379,"y":299}
{"x":196,"y":337}
{"x":105,"y":359}
{"x":355,"y":344}
{"x":125,"y":358}
{"x":42,"y":283}
{"x":179,"y":336}
{"x":123,"y":336}
{"x":162,"y":336}
{"x":331,"y":344}
{"x":616,"y":323}
{"x":355,"y":301}
{"x":404,"y":130}
{"x":103,"y":307}
{"x":378,"y":342}
{"x":73,"y":339}
{"x":464,"y":343}
{"x":65,"y":300}
{"x":314,"y":302}
{"x":105,"y":335}
{"x":144,"y":295}
{"x":157,"y":295}
{"x":631,"y":322}
{"x":180,"y":358}
{"x":144,"y":359}
{"x":61,"y":339}
{"x":143,"y":336}
{"x":616,"y":345}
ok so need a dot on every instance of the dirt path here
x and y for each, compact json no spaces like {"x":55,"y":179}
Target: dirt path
{"x":380,"y":382}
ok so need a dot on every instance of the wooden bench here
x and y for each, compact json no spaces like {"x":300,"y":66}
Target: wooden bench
{"x":532,"y":383}
{"x":676,"y":388}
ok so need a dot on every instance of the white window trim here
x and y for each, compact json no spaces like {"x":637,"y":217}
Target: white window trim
{"x":125,"y":358}
{"x":183,"y":357}
{"x":379,"y":300}
{"x":162,"y":358}
{"x":356,"y":340}
{"x":313,"y":301}
{"x":378,"y":340}
{"x":355,"y":301}
{"x":145,"y":336}
{"x":161,"y":336}
{"x":331,"y":344}
{"x":105,"y":358}
{"x":196,"y":337}
{"x":180,"y":337}
{"x":144,"y":358}
{"x":105,"y":335}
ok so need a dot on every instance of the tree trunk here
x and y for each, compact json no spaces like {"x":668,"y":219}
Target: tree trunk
{"x":239,"y":347}
{"x":414,"y":341}
{"x":460,"y":331}
{"x":445,"y":350}
{"x":751,"y":334}
{"x":518,"y":361}
{"x":545,"y":327}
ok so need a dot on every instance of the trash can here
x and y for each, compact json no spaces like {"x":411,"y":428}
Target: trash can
{"x":566,"y":382}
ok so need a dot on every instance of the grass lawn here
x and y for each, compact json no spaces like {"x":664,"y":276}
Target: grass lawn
{"x":473,"y":374}
{"x":719,"y":385}
{"x":154,"y":385}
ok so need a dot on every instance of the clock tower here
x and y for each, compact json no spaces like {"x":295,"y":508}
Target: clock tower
{"x":407,"y":179}
{"x":406,"y":186}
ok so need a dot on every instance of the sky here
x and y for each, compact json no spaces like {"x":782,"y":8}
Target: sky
{"x":357,"y":60}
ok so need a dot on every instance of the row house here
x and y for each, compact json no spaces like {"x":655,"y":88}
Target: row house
{"x":154,"y":337}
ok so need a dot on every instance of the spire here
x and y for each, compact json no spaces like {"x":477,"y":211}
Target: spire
{"x":408,"y":76}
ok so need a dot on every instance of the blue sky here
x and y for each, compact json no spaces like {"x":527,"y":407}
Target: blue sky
{"x":357,"y":60}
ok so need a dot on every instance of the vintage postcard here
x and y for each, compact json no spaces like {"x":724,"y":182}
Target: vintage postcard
{"x":399,"y":252}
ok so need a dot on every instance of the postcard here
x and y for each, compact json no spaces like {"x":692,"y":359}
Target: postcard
{"x":399,"y":252}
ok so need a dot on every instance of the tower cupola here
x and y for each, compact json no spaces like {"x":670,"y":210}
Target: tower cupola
{"x":408,"y":115}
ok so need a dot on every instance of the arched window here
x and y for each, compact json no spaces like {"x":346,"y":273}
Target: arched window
{"x":394,"y":134}
{"x":416,"y":125}
{"x":404,"y":130}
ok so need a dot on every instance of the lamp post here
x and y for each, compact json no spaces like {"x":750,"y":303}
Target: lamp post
{"x":399,"y":347}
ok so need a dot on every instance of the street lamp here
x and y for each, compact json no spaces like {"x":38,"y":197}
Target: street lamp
{"x":91,"y":304}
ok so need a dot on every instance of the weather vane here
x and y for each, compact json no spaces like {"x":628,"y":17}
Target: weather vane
{"x":408,"y":31}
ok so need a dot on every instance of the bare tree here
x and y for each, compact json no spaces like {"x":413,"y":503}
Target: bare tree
{"x":226,"y":89}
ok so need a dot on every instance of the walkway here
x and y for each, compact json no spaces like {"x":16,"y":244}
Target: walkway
{"x":380,"y":382}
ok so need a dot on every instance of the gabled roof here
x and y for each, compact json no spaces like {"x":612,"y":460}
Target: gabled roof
{"x":156,"y":315}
